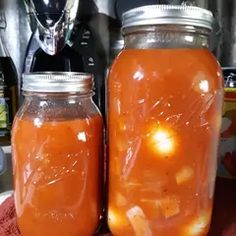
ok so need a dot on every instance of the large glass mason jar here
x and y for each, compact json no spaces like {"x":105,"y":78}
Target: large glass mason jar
{"x":165,"y":106}
{"x":57,"y":145}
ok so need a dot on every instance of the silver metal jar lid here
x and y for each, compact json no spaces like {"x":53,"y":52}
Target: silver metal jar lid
{"x":57,"y":82}
{"x":168,"y":14}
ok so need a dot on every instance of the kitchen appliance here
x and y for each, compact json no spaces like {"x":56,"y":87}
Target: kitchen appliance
{"x":8,"y":87}
{"x":225,"y":13}
{"x":62,"y":40}
{"x":53,"y":22}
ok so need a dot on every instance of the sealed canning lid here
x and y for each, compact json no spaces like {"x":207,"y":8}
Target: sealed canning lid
{"x":168,"y":15}
{"x":58,"y":82}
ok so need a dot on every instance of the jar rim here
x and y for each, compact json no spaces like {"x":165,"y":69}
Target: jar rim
{"x":58,"y":82}
{"x":168,"y":15}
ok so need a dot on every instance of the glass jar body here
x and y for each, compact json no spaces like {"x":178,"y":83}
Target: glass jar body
{"x":165,"y":102}
{"x":57,"y":145}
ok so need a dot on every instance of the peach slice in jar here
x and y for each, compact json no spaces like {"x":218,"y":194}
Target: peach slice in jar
{"x":170,"y":206}
{"x":184,"y":175}
{"x":139,"y":221}
{"x":151,"y":208}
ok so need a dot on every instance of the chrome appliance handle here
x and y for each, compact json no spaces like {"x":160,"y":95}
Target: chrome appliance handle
{"x":54,"y":21}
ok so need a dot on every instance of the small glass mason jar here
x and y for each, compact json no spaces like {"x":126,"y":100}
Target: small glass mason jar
{"x":165,"y":96}
{"x":57,"y":156}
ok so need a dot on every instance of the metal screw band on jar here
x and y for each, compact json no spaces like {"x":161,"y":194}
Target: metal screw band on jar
{"x":58,"y":82}
{"x":168,"y":14}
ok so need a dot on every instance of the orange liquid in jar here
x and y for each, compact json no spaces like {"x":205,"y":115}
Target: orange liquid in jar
{"x":164,"y":121}
{"x":56,"y":170}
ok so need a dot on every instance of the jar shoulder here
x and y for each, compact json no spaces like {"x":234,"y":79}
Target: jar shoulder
{"x":57,"y":110}
{"x":165,"y":66}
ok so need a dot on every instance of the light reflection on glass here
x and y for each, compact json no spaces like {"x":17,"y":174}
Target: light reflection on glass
{"x":163,"y":141}
{"x":138,"y":75}
{"x":72,"y":101}
{"x":82,"y":136}
{"x":43,"y":103}
{"x":189,"y":38}
{"x":37,"y":122}
{"x":204,"y":86}
{"x":115,"y":219}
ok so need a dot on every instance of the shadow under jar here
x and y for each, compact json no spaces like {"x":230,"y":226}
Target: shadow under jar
{"x":57,"y":156}
{"x":164,"y":113}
